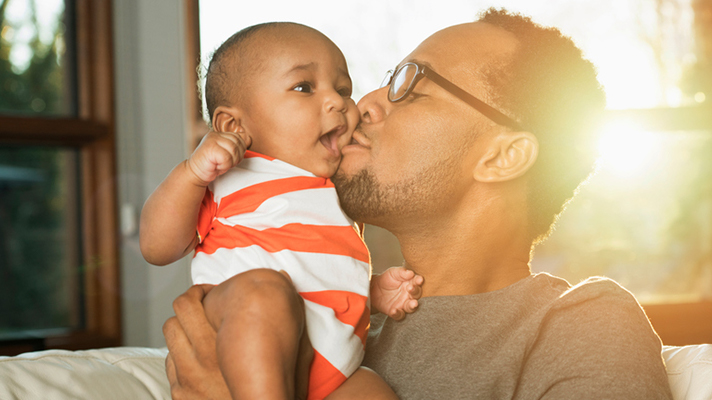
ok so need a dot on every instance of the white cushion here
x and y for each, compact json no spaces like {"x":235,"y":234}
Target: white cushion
{"x":689,"y":371}
{"x":138,"y":373}
{"x":115,"y":373}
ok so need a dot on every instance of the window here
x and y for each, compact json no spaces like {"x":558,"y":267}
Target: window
{"x":38,"y":72}
{"x":646,"y":218}
{"x":58,"y":262}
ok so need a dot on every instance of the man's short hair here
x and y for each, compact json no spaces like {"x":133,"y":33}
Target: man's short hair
{"x":553,"y":91}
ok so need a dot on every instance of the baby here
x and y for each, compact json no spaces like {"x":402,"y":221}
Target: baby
{"x":283,"y":91}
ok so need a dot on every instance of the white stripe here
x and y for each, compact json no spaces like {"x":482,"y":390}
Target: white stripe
{"x":217,"y":267}
{"x":308,"y":207}
{"x":252,"y":171}
{"x":310,"y":272}
{"x":333,"y":339}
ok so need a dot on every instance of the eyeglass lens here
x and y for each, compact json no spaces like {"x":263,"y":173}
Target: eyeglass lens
{"x":386,"y":79}
{"x":402,"y":80}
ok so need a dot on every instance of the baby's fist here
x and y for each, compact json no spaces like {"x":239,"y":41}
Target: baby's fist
{"x":396,"y":292}
{"x":216,"y":154}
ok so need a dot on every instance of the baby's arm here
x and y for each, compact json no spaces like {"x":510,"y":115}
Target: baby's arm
{"x":396,"y":292}
{"x":170,"y":215}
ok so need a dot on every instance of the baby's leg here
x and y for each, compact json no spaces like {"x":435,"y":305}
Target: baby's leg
{"x":361,"y":385}
{"x":261,"y":335}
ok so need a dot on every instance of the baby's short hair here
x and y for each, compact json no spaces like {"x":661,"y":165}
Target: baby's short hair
{"x":223,"y":82}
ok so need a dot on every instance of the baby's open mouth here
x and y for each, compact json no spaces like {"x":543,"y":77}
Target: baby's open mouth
{"x":330,"y":140}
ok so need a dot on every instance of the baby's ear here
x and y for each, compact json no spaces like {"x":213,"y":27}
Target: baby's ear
{"x":227,"y":119}
{"x":509,"y":156}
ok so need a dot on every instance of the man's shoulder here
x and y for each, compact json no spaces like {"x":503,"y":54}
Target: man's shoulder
{"x":594,"y":290}
{"x":596,"y":335}
{"x":599,"y":305}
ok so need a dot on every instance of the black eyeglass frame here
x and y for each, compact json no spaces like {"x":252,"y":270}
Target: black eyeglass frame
{"x":425,"y":72}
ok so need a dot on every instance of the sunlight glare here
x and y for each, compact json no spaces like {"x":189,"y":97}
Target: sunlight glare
{"x":626,"y":150}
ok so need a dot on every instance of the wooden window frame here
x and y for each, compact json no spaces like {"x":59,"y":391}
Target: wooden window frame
{"x":92,"y":133}
{"x":198,"y":127}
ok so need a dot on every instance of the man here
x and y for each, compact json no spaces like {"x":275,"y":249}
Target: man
{"x":482,"y":135}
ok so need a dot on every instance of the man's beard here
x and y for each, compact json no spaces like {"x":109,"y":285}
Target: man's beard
{"x":364,"y":199}
{"x":360,"y":196}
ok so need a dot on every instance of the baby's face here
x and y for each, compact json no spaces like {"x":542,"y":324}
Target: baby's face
{"x":299,"y":108}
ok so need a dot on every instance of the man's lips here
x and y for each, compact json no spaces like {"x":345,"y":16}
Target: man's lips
{"x":358,"y":139}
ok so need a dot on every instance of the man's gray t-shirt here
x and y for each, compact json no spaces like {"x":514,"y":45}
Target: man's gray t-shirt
{"x":536,"y":339}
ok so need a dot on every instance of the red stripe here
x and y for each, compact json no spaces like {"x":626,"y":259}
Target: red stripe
{"x":248,"y":199}
{"x":324,"y":378}
{"x":361,"y":328}
{"x":208,"y":209}
{"x":350,"y":308}
{"x":339,"y":240}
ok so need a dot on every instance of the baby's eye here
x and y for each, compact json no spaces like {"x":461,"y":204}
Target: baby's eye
{"x":345,"y":91}
{"x":304,"y":87}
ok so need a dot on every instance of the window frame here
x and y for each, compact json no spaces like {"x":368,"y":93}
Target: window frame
{"x":197,"y":124}
{"x":92,"y":132}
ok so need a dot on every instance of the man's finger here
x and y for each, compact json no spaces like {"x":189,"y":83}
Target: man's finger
{"x":172,"y":375}
{"x":171,"y":370}
{"x":179,"y":346}
{"x":191,"y":315}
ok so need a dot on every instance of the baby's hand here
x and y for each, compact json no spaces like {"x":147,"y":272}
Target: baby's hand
{"x":216,"y":154}
{"x":396,"y":292}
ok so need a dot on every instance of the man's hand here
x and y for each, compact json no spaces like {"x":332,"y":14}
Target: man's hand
{"x":396,"y":292}
{"x":216,"y":154}
{"x":192,"y":363}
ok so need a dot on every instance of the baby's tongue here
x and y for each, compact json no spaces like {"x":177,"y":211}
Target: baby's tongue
{"x":329,"y":141}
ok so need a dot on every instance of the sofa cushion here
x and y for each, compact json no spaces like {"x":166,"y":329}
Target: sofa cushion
{"x":115,"y":373}
{"x":689,"y":371}
{"x":139,"y":373}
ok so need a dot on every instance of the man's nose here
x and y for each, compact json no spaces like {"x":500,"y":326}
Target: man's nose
{"x":374,"y":106}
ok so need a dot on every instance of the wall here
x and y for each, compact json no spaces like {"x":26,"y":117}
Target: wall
{"x":151,"y":130}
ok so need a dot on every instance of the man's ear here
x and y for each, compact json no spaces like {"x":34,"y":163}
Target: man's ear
{"x":510,"y":155}
{"x":227,"y":119}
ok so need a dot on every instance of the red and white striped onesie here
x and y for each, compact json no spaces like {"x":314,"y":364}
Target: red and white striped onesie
{"x":266,"y":213}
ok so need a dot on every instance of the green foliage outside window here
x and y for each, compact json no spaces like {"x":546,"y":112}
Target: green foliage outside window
{"x":36,"y":254}
{"x":38,"y":87}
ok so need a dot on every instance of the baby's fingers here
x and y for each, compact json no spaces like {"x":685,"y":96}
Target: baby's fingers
{"x":223,"y":164}
{"x":397,"y":314}
{"x":415,"y":291}
{"x":233,"y":146}
{"x":410,"y":306}
{"x":245,"y":139}
{"x":401,"y":273}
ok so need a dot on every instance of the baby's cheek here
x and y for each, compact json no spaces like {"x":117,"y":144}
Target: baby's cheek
{"x":353,"y":116}
{"x":343,"y":141}
{"x":333,"y":166}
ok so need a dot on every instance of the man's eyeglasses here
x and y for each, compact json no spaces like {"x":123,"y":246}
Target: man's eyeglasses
{"x":404,"y":79}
